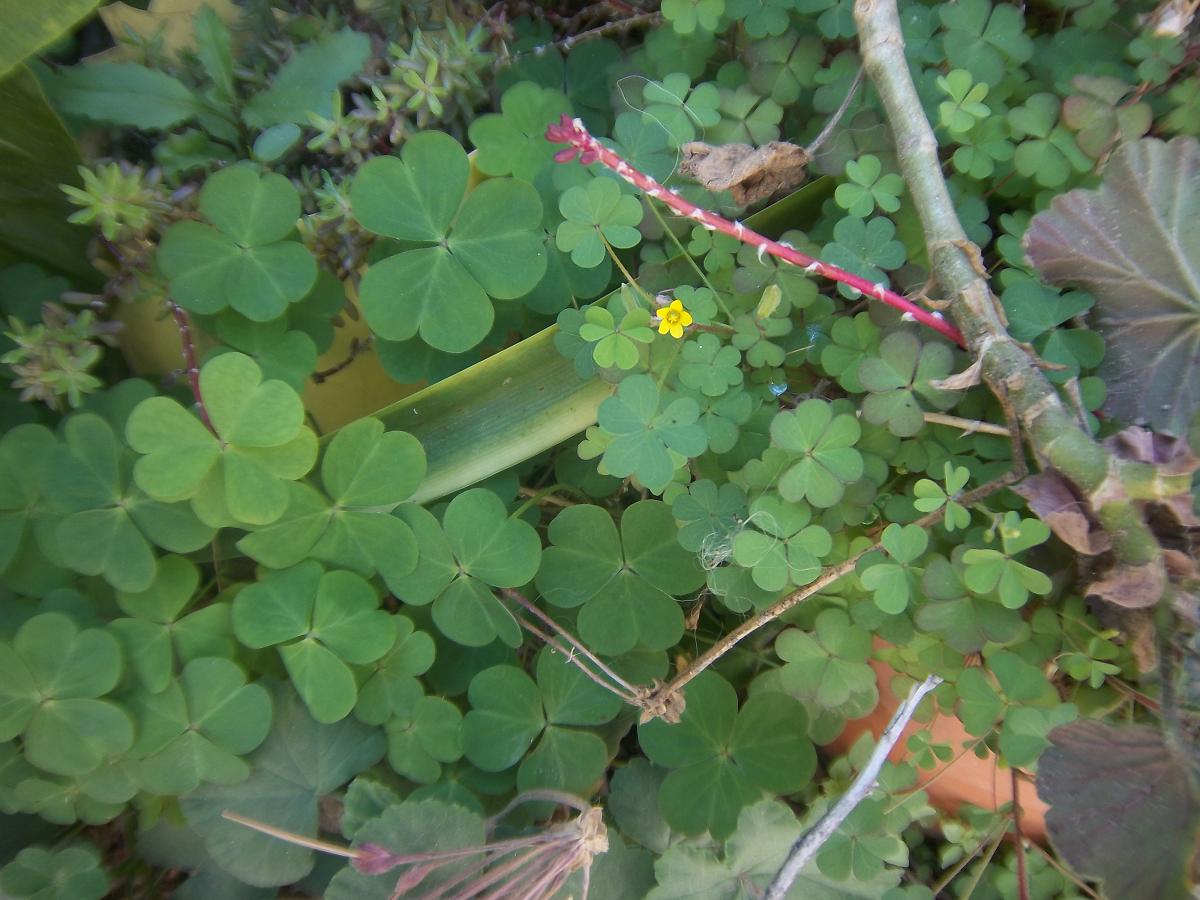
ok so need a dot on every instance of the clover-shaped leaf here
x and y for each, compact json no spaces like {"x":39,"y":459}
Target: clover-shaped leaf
{"x":321,"y":622}
{"x":652,"y":434}
{"x":366,"y":472}
{"x":965,"y":106}
{"x":931,"y":496}
{"x":899,"y":376}
{"x":686,"y":16}
{"x":616,"y":343}
{"x":779,"y":545}
{"x":992,"y":570}
{"x":513,"y":142}
{"x":40,"y":874}
{"x":710,"y":366}
{"x":755,"y":335}
{"x":477,"y":547}
{"x":243,"y":259}
{"x":894,"y":584}
{"x":829,"y":667}
{"x":825,"y":443}
{"x":1099,"y":116}
{"x":868,"y":188}
{"x":722,"y":758}
{"x":761,"y":19}
{"x":986,"y":144}
{"x":470,"y":246}
{"x":707,"y":514}
{"x":391,"y":684}
{"x":197,"y":728}
{"x":290,"y":356}
{"x":50,"y":676}
{"x":624,"y":581}
{"x":864,"y":248}
{"x":680,"y":108}
{"x":852,"y":340}
{"x":422,"y":736}
{"x":784,"y":66}
{"x":107,"y":523}
{"x":239,"y":474}
{"x":597,"y":213}
{"x":157,"y":630}
{"x":510,"y":712}
{"x":984,"y":40}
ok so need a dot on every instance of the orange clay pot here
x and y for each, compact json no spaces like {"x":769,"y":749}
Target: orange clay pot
{"x":967,"y":779}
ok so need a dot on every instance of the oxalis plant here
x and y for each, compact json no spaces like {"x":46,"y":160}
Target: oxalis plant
{"x":632,"y":450}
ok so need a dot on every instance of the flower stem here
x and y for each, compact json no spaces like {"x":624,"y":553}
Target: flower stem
{"x":189,"y":360}
{"x":589,"y":150}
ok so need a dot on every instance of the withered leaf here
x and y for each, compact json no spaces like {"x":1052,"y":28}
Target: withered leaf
{"x":1050,"y":496}
{"x":750,"y":174}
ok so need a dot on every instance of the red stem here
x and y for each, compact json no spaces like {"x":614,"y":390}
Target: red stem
{"x":189,"y":360}
{"x":589,"y":150}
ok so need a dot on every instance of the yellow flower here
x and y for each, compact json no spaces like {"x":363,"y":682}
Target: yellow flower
{"x":673,"y":319}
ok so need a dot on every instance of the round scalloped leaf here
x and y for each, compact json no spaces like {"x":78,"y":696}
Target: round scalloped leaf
{"x":1132,"y":245}
{"x":298,"y":764}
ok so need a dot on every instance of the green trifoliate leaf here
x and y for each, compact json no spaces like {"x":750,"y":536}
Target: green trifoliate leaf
{"x":779,"y":545}
{"x":853,"y":341}
{"x":899,"y":378}
{"x":50,"y":676}
{"x":723,"y":758}
{"x":511,"y":714}
{"x":40,"y":874}
{"x":616,"y":344}
{"x":992,"y":570}
{"x":26,"y":455}
{"x":829,"y":668}
{"x":475,"y":549}
{"x":157,"y":631}
{"x":322,"y":622}
{"x":868,"y":188}
{"x":471,"y":246}
{"x":596,"y":212}
{"x":240,"y":474}
{"x":708,"y":514}
{"x":391,"y":685}
{"x":985,"y":41}
{"x":513,"y":142}
{"x":710,"y":367}
{"x":965,"y":106}
{"x":107,"y":523}
{"x":895,"y":584}
{"x":243,"y":259}
{"x":197,"y":729}
{"x":931,"y":496}
{"x":686,"y":16}
{"x":625,"y":582}
{"x":825,"y":443}
{"x":423,"y":736}
{"x":866,"y":249}
{"x":755,"y":337}
{"x":651,"y":434}
{"x":290,"y":356}
{"x":680,"y":108}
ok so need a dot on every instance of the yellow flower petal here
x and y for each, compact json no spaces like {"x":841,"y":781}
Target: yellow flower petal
{"x":685,"y":318}
{"x":664,"y":326}
{"x":676,"y":305}
{"x":676,"y":330}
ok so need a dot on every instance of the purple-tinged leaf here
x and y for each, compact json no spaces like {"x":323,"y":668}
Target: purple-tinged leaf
{"x":1134,"y":244}
{"x":1123,"y":808}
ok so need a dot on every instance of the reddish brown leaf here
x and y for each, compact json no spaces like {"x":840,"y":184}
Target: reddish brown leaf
{"x":1050,"y":496}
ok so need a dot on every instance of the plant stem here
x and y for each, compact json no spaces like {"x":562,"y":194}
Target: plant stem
{"x":691,"y":259}
{"x":624,"y":271}
{"x":1007,"y":367}
{"x":805,"y":849}
{"x":183,"y":323}
{"x":589,"y":150}
{"x":970,"y":426}
{"x":1022,"y":873}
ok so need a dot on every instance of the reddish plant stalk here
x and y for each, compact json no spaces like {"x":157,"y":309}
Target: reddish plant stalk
{"x":189,"y":360}
{"x":589,"y":150}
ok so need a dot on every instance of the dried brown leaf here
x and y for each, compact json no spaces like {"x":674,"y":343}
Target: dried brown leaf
{"x":750,"y":174}
{"x":1050,"y":496}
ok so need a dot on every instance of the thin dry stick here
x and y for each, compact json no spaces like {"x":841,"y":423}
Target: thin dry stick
{"x":569,"y":656}
{"x":588,"y":149}
{"x":531,"y":607}
{"x":970,"y":426}
{"x":805,"y":849}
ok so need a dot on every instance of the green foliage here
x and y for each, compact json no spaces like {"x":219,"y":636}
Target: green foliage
{"x":472,"y":246}
{"x":397,"y":628}
{"x":721,"y":757}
